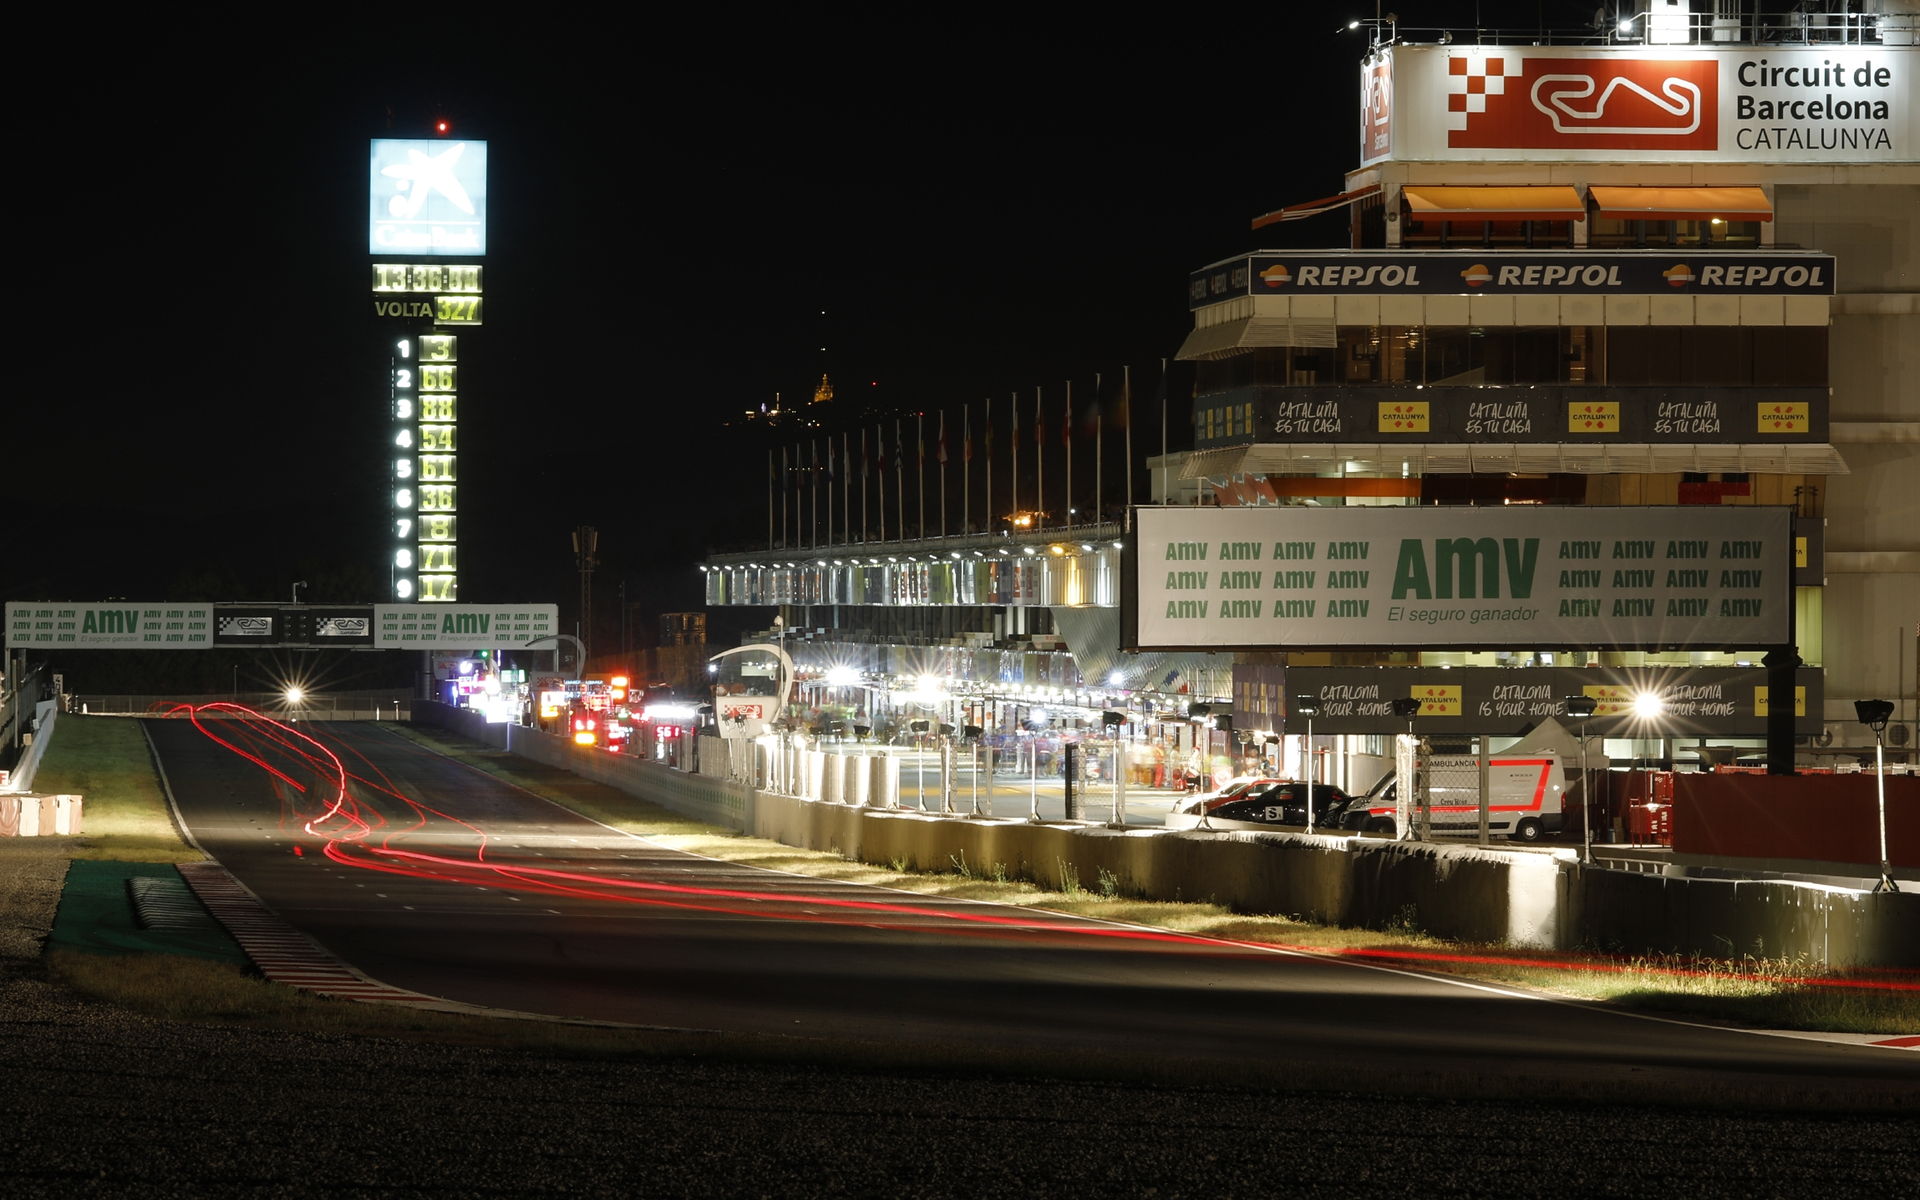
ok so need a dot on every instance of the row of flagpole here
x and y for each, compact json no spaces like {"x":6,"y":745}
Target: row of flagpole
{"x":797,"y":469}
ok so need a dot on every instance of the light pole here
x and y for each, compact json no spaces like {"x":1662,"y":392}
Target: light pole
{"x":1113,"y":721}
{"x":1407,"y":708}
{"x":972,"y":735}
{"x":1309,"y":707}
{"x":1874,"y":714}
{"x":1648,"y":706}
{"x":1580,"y":708}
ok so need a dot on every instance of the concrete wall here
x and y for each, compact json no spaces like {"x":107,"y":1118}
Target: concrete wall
{"x":1524,"y":897}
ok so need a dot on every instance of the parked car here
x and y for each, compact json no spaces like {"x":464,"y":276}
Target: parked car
{"x":1260,"y":803}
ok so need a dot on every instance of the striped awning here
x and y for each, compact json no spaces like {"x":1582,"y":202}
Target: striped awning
{"x":1682,"y":203}
{"x":1313,"y":208}
{"x":1246,"y":333}
{"x":1494,"y":203}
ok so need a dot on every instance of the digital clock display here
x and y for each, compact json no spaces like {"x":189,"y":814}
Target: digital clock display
{"x":425,"y":278}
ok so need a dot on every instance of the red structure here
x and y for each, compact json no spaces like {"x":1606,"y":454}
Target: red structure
{"x":1817,"y":818}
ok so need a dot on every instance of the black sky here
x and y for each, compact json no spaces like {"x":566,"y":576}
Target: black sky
{"x":978,"y":209}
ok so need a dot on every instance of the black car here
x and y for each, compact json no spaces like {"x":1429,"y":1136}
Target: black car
{"x":1281,"y":803}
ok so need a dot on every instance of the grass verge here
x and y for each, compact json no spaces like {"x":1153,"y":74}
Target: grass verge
{"x":106,"y":761}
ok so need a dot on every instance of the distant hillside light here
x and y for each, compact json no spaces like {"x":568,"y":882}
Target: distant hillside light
{"x":441,"y":127}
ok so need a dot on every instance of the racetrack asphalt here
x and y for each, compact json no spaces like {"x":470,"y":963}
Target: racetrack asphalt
{"x":98,"y":1101}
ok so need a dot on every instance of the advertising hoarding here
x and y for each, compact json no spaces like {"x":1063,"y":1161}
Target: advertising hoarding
{"x":462,"y":627}
{"x":1625,"y":578}
{"x":112,"y":625}
{"x":1515,"y":273}
{"x":1510,"y":701}
{"x":1787,"y":104}
{"x":427,"y":196}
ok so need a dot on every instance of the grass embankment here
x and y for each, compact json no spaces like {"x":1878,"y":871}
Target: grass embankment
{"x":106,"y":760}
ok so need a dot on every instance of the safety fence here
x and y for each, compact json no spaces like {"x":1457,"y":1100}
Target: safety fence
{"x":1516,"y":896}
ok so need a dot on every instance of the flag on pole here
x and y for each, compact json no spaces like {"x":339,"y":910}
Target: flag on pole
{"x":940,"y":452}
{"x":880,"y":448}
{"x":966,"y":438}
{"x":831,"y":473}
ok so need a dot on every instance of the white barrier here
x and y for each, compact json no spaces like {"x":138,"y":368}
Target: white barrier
{"x":23,"y":814}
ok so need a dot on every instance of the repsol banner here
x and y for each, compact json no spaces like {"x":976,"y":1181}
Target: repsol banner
{"x":1598,"y":578}
{"x":1498,"y":273}
{"x":1510,"y":701}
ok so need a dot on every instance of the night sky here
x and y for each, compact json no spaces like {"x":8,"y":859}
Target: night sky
{"x":198,"y":409}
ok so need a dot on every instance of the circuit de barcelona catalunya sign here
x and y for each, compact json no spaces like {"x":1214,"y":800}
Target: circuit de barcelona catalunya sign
{"x":1837,"y":104}
{"x":1623,"y":578}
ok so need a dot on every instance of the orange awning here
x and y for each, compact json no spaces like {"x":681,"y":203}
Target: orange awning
{"x":1313,"y":208}
{"x":1494,"y":203}
{"x":1682,"y":203}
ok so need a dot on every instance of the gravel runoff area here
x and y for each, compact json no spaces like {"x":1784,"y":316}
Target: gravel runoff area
{"x":96,"y":1101}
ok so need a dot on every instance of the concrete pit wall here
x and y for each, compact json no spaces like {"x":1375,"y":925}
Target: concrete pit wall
{"x":1517,"y":897}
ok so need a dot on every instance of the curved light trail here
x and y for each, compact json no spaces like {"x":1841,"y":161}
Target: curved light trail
{"x":358,"y":834}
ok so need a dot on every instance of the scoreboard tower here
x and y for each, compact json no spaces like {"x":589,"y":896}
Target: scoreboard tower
{"x":426,"y":232}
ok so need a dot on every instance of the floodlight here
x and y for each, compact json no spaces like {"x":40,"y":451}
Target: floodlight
{"x":1306,"y":706}
{"x":1580,"y":707}
{"x":1874,"y":714}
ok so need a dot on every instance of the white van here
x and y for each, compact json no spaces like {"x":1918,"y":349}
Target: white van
{"x":1528,"y":791}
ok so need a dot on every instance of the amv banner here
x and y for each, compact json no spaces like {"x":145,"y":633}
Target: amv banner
{"x":1620,"y":578}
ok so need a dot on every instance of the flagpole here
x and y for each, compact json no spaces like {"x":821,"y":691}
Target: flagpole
{"x":920,"y":468}
{"x":786,"y":494}
{"x":966,"y":466}
{"x":987,"y":434}
{"x":1099,"y":468}
{"x":1039,"y":456}
{"x":1126,"y":439}
{"x":863,"y":483}
{"x":899,"y":481}
{"x":1166,"y":491}
{"x":1066,"y":444}
{"x":813,"y":479}
{"x":1014,"y":438}
{"x":846,"y":486}
{"x":942,"y":462}
{"x":880,"y":450}
{"x":771,"y":475}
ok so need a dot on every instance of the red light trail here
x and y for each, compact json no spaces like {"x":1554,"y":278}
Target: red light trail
{"x":357,"y":834}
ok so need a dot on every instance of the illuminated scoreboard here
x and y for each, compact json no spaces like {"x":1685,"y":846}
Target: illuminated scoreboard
{"x":428,"y":199}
